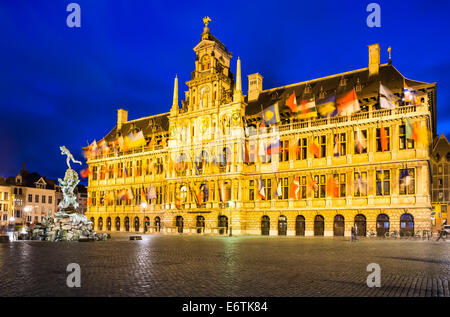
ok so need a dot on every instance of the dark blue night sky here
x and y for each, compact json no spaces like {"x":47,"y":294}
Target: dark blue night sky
{"x":62,"y":86}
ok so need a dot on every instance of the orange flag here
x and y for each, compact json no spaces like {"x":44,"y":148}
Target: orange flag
{"x":383,"y":138}
{"x":332,"y":188}
{"x":291,"y":102}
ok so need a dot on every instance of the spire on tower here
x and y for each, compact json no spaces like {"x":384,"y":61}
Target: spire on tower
{"x":238,"y":89}
{"x":175,"y":96}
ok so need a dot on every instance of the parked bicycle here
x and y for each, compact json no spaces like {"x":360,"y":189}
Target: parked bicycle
{"x":392,"y":234}
{"x":371,"y":234}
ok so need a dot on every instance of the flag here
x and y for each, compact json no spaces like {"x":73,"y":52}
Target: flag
{"x":314,"y":148}
{"x":327,"y":106}
{"x":336,"y":145}
{"x":152,"y":192}
{"x":405,"y":178}
{"x":122,"y":194}
{"x":291,"y":102}
{"x":312,"y":183}
{"x":151,"y":144}
{"x":348,"y":103}
{"x":361,"y":143}
{"x":387,"y":98}
{"x":359,"y":184}
{"x":279,"y":191}
{"x":308,"y":108}
{"x":261,"y":192}
{"x":129,"y":194}
{"x":409,"y":94}
{"x":408,"y":129}
{"x":125,"y":171}
{"x":85,"y":172}
{"x":177,"y":199}
{"x":271,"y":115}
{"x":223,"y":192}
{"x":293,"y":147}
{"x":274,"y":146}
{"x":205,"y":191}
{"x":137,"y":139}
{"x":294,"y":191}
{"x":261,"y":148}
{"x":332,"y":188}
{"x":143,"y":196}
{"x":383,"y":138}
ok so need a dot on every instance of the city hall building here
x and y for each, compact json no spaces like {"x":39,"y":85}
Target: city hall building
{"x":224,"y":162}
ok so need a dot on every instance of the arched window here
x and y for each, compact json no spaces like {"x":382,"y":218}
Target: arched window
{"x":100,"y":224}
{"x":200,"y":224}
{"x":282,"y":226}
{"x":406,"y":225}
{"x":360,"y":225}
{"x":265,"y":225}
{"x":339,"y":226}
{"x":108,"y":223}
{"x":223,"y":224}
{"x":117,"y":224}
{"x":146,"y":223}
{"x":179,"y":222}
{"x":382,"y":225}
{"x":319,"y":225}
{"x":127,"y":224}
{"x":300,"y":226}
{"x":93,"y":222}
{"x":157,"y":224}
{"x":136,"y":224}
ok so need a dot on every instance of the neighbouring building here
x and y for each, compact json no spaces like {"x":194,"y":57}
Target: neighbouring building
{"x":209,"y":166}
{"x":440,"y":161}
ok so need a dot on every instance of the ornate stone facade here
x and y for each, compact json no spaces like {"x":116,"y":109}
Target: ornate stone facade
{"x":215,"y":123}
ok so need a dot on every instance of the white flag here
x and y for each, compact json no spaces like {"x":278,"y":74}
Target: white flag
{"x":387,"y":98}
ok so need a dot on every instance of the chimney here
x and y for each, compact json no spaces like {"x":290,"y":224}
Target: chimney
{"x":122,"y":117}
{"x":254,"y":86}
{"x":374,"y":59}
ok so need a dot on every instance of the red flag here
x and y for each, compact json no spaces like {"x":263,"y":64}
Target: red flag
{"x":383,"y":138}
{"x":85,"y":172}
{"x":332,"y":188}
{"x":291,"y":102}
{"x":312,"y":183}
{"x":314,"y":149}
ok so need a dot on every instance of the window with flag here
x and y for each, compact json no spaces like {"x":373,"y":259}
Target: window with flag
{"x":360,"y":184}
{"x":251,"y":190}
{"x":407,"y":181}
{"x":284,"y":153}
{"x":360,"y":137}
{"x":404,"y":143}
{"x":102,"y":198}
{"x":110,"y":198}
{"x":267,"y":184}
{"x":383,"y":182}
{"x":302,"y":153}
{"x":103,"y":172}
{"x":321,"y":182}
{"x":94,"y":198}
{"x":252,"y":150}
{"x":342,"y":143}
{"x":379,"y":139}
{"x":159,"y":194}
{"x":138,"y":167}
{"x":94,"y":173}
{"x":129,"y":167}
{"x":284,"y":183}
{"x":111,"y":171}
{"x":341,"y":183}
{"x":120,"y":169}
{"x":303,"y":187}
{"x":323,"y":145}
{"x":159,"y":165}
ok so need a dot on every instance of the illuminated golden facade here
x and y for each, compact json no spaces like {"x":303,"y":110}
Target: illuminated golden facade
{"x":214,"y":122}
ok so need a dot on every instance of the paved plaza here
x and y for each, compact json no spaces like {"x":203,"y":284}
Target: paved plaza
{"x":183,"y":265}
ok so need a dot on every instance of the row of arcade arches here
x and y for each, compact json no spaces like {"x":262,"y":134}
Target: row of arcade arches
{"x":359,"y":222}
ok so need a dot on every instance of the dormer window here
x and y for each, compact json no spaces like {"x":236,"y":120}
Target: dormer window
{"x":206,"y":62}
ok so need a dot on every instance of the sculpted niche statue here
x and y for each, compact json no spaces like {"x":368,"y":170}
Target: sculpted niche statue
{"x":69,"y":203}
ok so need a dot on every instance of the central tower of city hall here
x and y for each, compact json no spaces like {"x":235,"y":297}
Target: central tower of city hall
{"x":311,"y":158}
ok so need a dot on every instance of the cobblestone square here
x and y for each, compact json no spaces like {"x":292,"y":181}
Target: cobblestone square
{"x":187,"y":265}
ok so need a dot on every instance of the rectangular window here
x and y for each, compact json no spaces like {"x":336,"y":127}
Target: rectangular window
{"x":342,"y":138}
{"x":267,"y":184}
{"x":94,"y":173}
{"x":407,"y":182}
{"x":36,"y":198}
{"x":129,"y":168}
{"x":403,"y":142}
{"x":360,"y":183}
{"x":111,"y":171}
{"x":94,"y":199}
{"x":321,"y":181}
{"x":340,"y":180}
{"x":120,"y":169}
{"x":303,"y":187}
{"x":378,"y":139}
{"x":323,"y":145}
{"x":50,"y":199}
{"x":251,"y":190}
{"x":43,"y":199}
{"x":284,"y":154}
{"x":139,"y":168}
{"x":383,"y":182}
{"x":30,"y":198}
{"x":5,"y":196}
{"x":303,"y":149}
{"x":361,"y":144}
{"x":102,"y":198}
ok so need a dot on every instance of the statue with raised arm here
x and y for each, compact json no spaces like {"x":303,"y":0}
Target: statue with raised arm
{"x":65,"y":151}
